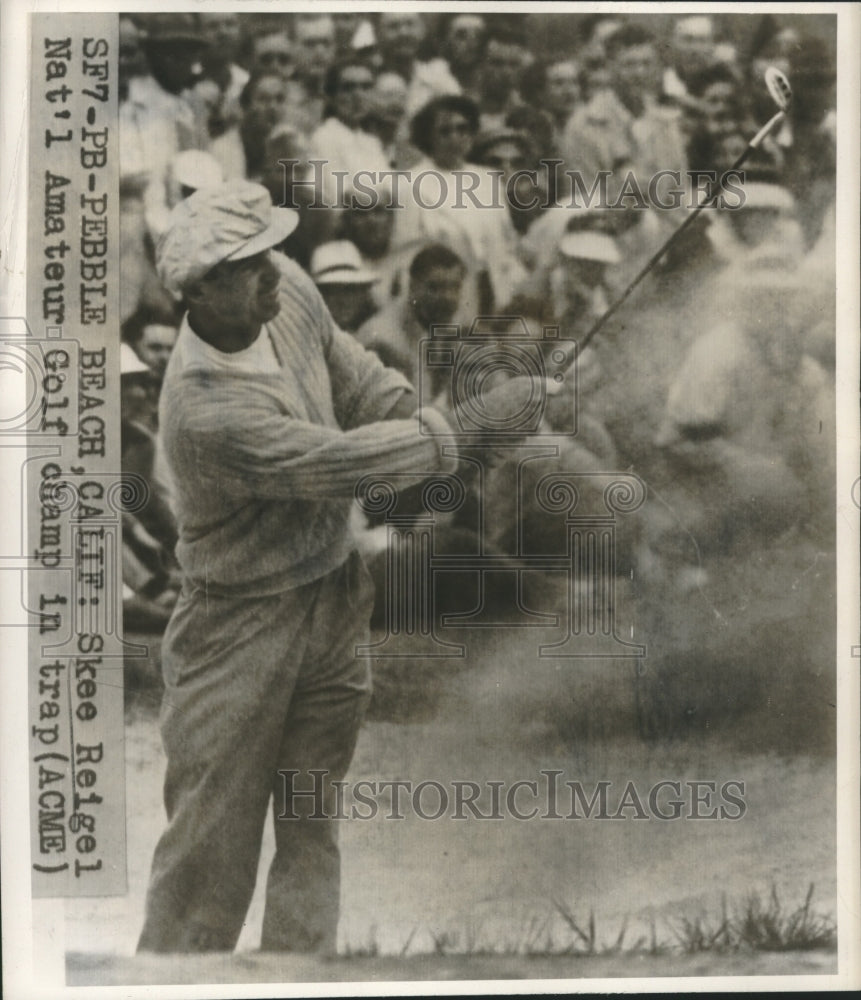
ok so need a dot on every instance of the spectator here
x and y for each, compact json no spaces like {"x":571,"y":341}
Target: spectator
{"x":553,"y":89}
{"x":157,"y":120}
{"x":190,"y":170}
{"x":371,"y":230}
{"x":510,"y":153}
{"x":772,"y":44}
{"x":626,"y":128}
{"x":344,"y":283}
{"x":597,"y":77}
{"x":273,"y":53}
{"x":436,"y":278}
{"x":346,"y":25}
{"x":151,"y":333}
{"x":463,"y":49}
{"x":764,"y":228}
{"x":156,"y":343}
{"x":130,"y":58}
{"x":480,"y":232}
{"x":692,"y":51}
{"x":715,"y":119}
{"x":400,"y":34}
{"x":385,"y":118}
{"x":222,"y":32}
{"x":503,"y":64}
{"x":314,"y":52}
{"x":812,"y":158}
{"x":584,"y":258}
{"x":240,"y":151}
{"x":289,"y":179}
{"x":341,"y":140}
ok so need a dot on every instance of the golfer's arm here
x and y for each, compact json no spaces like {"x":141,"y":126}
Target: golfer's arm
{"x":268,"y":455}
{"x":405,"y":407}
{"x":364,"y":390}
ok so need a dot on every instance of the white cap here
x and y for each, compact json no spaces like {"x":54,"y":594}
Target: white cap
{"x":696,"y":26}
{"x":364,"y":36}
{"x":760,"y":194}
{"x":589,"y":245}
{"x":130,"y":363}
{"x":194,"y":168}
{"x":340,"y":263}
{"x":231,"y":221}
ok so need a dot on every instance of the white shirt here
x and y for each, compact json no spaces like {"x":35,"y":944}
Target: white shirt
{"x":430,"y":79}
{"x":193,"y":352}
{"x":154,"y":126}
{"x":228,"y":149}
{"x":344,"y":148}
{"x":481,"y":233}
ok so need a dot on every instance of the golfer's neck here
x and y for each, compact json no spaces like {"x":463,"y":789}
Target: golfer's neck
{"x":223,"y":337}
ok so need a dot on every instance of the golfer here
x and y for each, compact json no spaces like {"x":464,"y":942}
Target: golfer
{"x":270,"y":415}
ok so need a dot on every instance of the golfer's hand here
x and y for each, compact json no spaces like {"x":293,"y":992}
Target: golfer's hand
{"x":508,"y":397}
{"x":503,"y":405}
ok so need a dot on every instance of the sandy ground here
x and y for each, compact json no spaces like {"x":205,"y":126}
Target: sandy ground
{"x":245,"y":967}
{"x":490,"y":884}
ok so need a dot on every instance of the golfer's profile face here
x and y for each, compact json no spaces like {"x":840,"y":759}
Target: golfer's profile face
{"x":244,"y":293}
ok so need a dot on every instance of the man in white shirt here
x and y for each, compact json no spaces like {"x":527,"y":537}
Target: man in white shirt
{"x":222,"y":31}
{"x":314,"y":51}
{"x":626,"y":128}
{"x":341,"y":141}
{"x":157,"y":121}
{"x":399,"y":34}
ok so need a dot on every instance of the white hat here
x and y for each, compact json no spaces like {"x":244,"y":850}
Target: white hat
{"x":760,"y":194}
{"x":696,"y":26}
{"x":194,"y":168}
{"x":363,"y":37}
{"x":130,"y":363}
{"x":340,"y":263}
{"x":230,"y":221}
{"x":589,"y":245}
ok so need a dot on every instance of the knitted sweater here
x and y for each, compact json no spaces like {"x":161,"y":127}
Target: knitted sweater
{"x":264,"y":465}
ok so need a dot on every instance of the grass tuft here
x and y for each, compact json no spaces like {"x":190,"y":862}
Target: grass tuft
{"x":757,"y":925}
{"x":770,"y":927}
{"x":369,"y":948}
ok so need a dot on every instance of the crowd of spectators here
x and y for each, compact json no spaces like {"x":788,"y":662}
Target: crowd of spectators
{"x":722,"y":365}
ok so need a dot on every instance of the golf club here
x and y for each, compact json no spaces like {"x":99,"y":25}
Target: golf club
{"x":781,"y":94}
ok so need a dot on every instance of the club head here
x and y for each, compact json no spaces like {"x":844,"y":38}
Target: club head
{"x":778,"y":87}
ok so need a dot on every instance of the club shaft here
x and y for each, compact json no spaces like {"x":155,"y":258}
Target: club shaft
{"x":659,"y":253}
